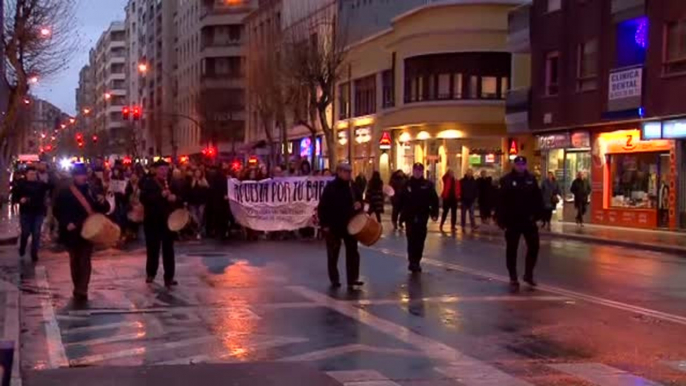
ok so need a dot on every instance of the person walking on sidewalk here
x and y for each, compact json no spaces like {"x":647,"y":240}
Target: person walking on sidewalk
{"x":485,"y":197}
{"x":550,"y":190}
{"x":450,"y":195}
{"x":519,"y":208}
{"x":374,"y":196}
{"x":159,"y":199}
{"x":340,"y":201}
{"x":468,"y":194}
{"x":418,"y":202}
{"x":581,"y":190}
{"x":397,"y":182}
{"x":72,"y":207}
{"x":31,"y":193}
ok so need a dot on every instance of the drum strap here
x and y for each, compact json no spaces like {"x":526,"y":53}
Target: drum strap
{"x":81,"y":199}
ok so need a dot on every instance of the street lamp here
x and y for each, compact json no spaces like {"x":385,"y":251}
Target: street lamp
{"x":45,"y":32}
{"x":108,"y":96}
{"x":86,"y":111}
{"x":142,"y":68}
{"x":33,"y":80}
{"x":72,"y":120}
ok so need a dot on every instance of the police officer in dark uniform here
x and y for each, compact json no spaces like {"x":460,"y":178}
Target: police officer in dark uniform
{"x":520,"y":206}
{"x":418,"y":202}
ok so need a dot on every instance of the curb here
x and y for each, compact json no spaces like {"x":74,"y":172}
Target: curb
{"x":12,"y":240}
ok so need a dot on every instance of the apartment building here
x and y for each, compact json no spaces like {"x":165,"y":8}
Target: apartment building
{"x":108,"y":65}
{"x":605,"y":100}
{"x":42,"y":120}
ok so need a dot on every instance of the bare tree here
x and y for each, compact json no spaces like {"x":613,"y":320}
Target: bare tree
{"x":315,"y":49}
{"x":39,"y":38}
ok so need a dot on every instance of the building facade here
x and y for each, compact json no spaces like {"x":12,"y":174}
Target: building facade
{"x":605,"y":83}
{"x":108,"y":65}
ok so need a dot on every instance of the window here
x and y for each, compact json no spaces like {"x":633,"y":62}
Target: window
{"x":365,"y":96}
{"x":344,"y":101}
{"x":636,"y":179}
{"x":457,"y":86}
{"x":444,"y":86}
{"x":632,"y":42}
{"x":552,"y":72}
{"x":554,"y":5}
{"x":675,"y":52}
{"x":504,"y":87}
{"x":473,"y":87}
{"x":587,"y":66}
{"x":489,"y":87}
{"x":387,"y":84}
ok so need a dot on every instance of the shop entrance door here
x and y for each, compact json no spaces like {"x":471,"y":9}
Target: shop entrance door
{"x":575,"y":161}
{"x":681,"y":184}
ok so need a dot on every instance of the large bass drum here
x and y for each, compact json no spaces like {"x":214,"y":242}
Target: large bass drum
{"x":100,"y":230}
{"x":136,"y":214}
{"x":178,"y":220}
{"x":365,"y":229}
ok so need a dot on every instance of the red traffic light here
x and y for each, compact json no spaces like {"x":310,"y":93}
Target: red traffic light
{"x":80,"y":144}
{"x":125,"y":111}
{"x":79,"y":137}
{"x":209,"y":152}
{"x":137,"y":113}
{"x":95,"y":138}
{"x":48,"y":148}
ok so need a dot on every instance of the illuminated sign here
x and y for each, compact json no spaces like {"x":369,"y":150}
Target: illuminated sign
{"x":490,"y":158}
{"x":385,"y":141}
{"x":629,"y":141}
{"x":652,"y":130}
{"x":513,"y":147}
{"x":306,"y":147}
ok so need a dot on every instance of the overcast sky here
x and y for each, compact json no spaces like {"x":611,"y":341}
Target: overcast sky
{"x":92,"y":18}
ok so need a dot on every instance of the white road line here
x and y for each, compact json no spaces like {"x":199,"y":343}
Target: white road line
{"x":347,"y":349}
{"x":426,"y":345}
{"x":11,"y":331}
{"x":56,"y":354}
{"x":602,"y":375}
{"x":552,"y":289}
{"x":90,"y":359}
{"x":678,"y":365}
{"x":109,"y":339}
{"x":78,"y":330}
{"x":361,"y":378}
{"x":460,"y":299}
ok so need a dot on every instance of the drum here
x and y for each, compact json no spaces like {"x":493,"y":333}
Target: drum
{"x":178,"y":220}
{"x":100,"y":230}
{"x":388,"y":191}
{"x":136,"y":214}
{"x":365,"y":229}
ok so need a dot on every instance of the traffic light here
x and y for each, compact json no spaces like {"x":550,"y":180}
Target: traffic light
{"x":80,"y":145}
{"x":125,"y":111}
{"x":79,"y":137}
{"x":95,"y":138}
{"x":136,"y":113}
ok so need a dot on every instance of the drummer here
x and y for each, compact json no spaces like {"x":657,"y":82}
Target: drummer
{"x":71,"y":208}
{"x":159,"y":199}
{"x":418,"y":202}
{"x":339,"y":203}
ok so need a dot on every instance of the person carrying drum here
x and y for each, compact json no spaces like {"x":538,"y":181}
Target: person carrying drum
{"x":72,"y":207}
{"x":340,"y":201}
{"x":418,"y":202}
{"x":159,"y":200}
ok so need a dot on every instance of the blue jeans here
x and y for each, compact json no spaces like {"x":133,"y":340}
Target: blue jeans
{"x":31,"y":225}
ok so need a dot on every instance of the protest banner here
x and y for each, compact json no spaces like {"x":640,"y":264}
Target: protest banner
{"x":278,"y":204}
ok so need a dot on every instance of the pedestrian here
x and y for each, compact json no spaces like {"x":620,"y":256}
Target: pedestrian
{"x":450,"y":195}
{"x":418,"y":202}
{"x":581,"y":190}
{"x":485,"y":189}
{"x":339,"y":203}
{"x":218,"y":210}
{"x":72,"y":207}
{"x":135,"y":210}
{"x":159,"y":200}
{"x":374,"y":196}
{"x":468,"y":194}
{"x":397,"y":182}
{"x":519,"y":208}
{"x":550,"y":191}
{"x":305,"y":168}
{"x":197,"y":201}
{"x":361,"y":182}
{"x":118,"y":188}
{"x":31,"y":194}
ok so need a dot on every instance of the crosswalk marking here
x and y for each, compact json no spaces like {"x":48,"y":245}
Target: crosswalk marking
{"x":109,"y":339}
{"x":78,"y":330}
{"x":678,"y":365}
{"x":465,"y":375}
{"x":602,"y":375}
{"x":361,"y":378}
{"x":56,"y":353}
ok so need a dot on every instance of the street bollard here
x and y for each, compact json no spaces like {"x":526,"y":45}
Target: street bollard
{"x":6,"y":359}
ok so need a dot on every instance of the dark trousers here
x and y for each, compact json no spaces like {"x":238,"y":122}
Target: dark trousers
{"x":467,"y":207}
{"x":395,"y":215}
{"x":449,"y":206}
{"x":512,"y":236}
{"x":376,"y":214}
{"x":547,"y":215}
{"x":158,"y":235}
{"x":352,"y":257}
{"x":80,"y":264}
{"x":484,"y":211}
{"x":581,"y":206}
{"x":31,"y":225}
{"x":416,"y":236}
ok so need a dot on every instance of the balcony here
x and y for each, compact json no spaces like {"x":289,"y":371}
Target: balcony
{"x":519,"y":35}
{"x":627,"y":9}
{"x":517,"y":108}
{"x":222,"y":82}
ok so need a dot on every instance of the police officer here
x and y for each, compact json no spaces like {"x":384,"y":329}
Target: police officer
{"x":418,"y":202}
{"x":520,"y":205}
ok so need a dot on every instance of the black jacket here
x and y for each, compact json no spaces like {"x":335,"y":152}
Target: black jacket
{"x":35,"y":193}
{"x":336,"y":206}
{"x":469,"y":190}
{"x":485,"y":188}
{"x":198,"y":195}
{"x":581,"y":189}
{"x":157,"y":208}
{"x":68,"y":210}
{"x":520,"y":203}
{"x":418,"y":201}
{"x":375,"y":197}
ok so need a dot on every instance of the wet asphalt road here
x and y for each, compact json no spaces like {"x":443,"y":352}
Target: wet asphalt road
{"x":603,"y":315}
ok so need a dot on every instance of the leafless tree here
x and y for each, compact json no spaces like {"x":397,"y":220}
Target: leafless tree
{"x":315,"y":49}
{"x":39,"y":38}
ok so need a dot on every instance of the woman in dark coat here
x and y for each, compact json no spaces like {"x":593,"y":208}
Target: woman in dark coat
{"x":374,"y":195}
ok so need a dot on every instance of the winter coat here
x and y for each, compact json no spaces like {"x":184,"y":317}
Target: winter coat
{"x":581,"y":189}
{"x":68,"y":210}
{"x":549,"y":190}
{"x":397,"y":182}
{"x":336,"y":206}
{"x":468,"y":190}
{"x":520,"y":203}
{"x":35,"y":193}
{"x":418,"y":202}
{"x":485,"y":189}
{"x":375,"y":198}
{"x":158,"y":208}
{"x":199,"y":193}
{"x":451,"y":189}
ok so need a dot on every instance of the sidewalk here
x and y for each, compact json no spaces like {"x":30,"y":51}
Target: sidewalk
{"x":10,"y":272}
{"x":9,"y":228}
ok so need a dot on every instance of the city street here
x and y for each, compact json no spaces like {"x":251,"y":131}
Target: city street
{"x":602,"y":315}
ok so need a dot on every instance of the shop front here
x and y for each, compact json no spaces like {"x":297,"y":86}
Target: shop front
{"x":565,"y":155}
{"x":633,"y":180}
